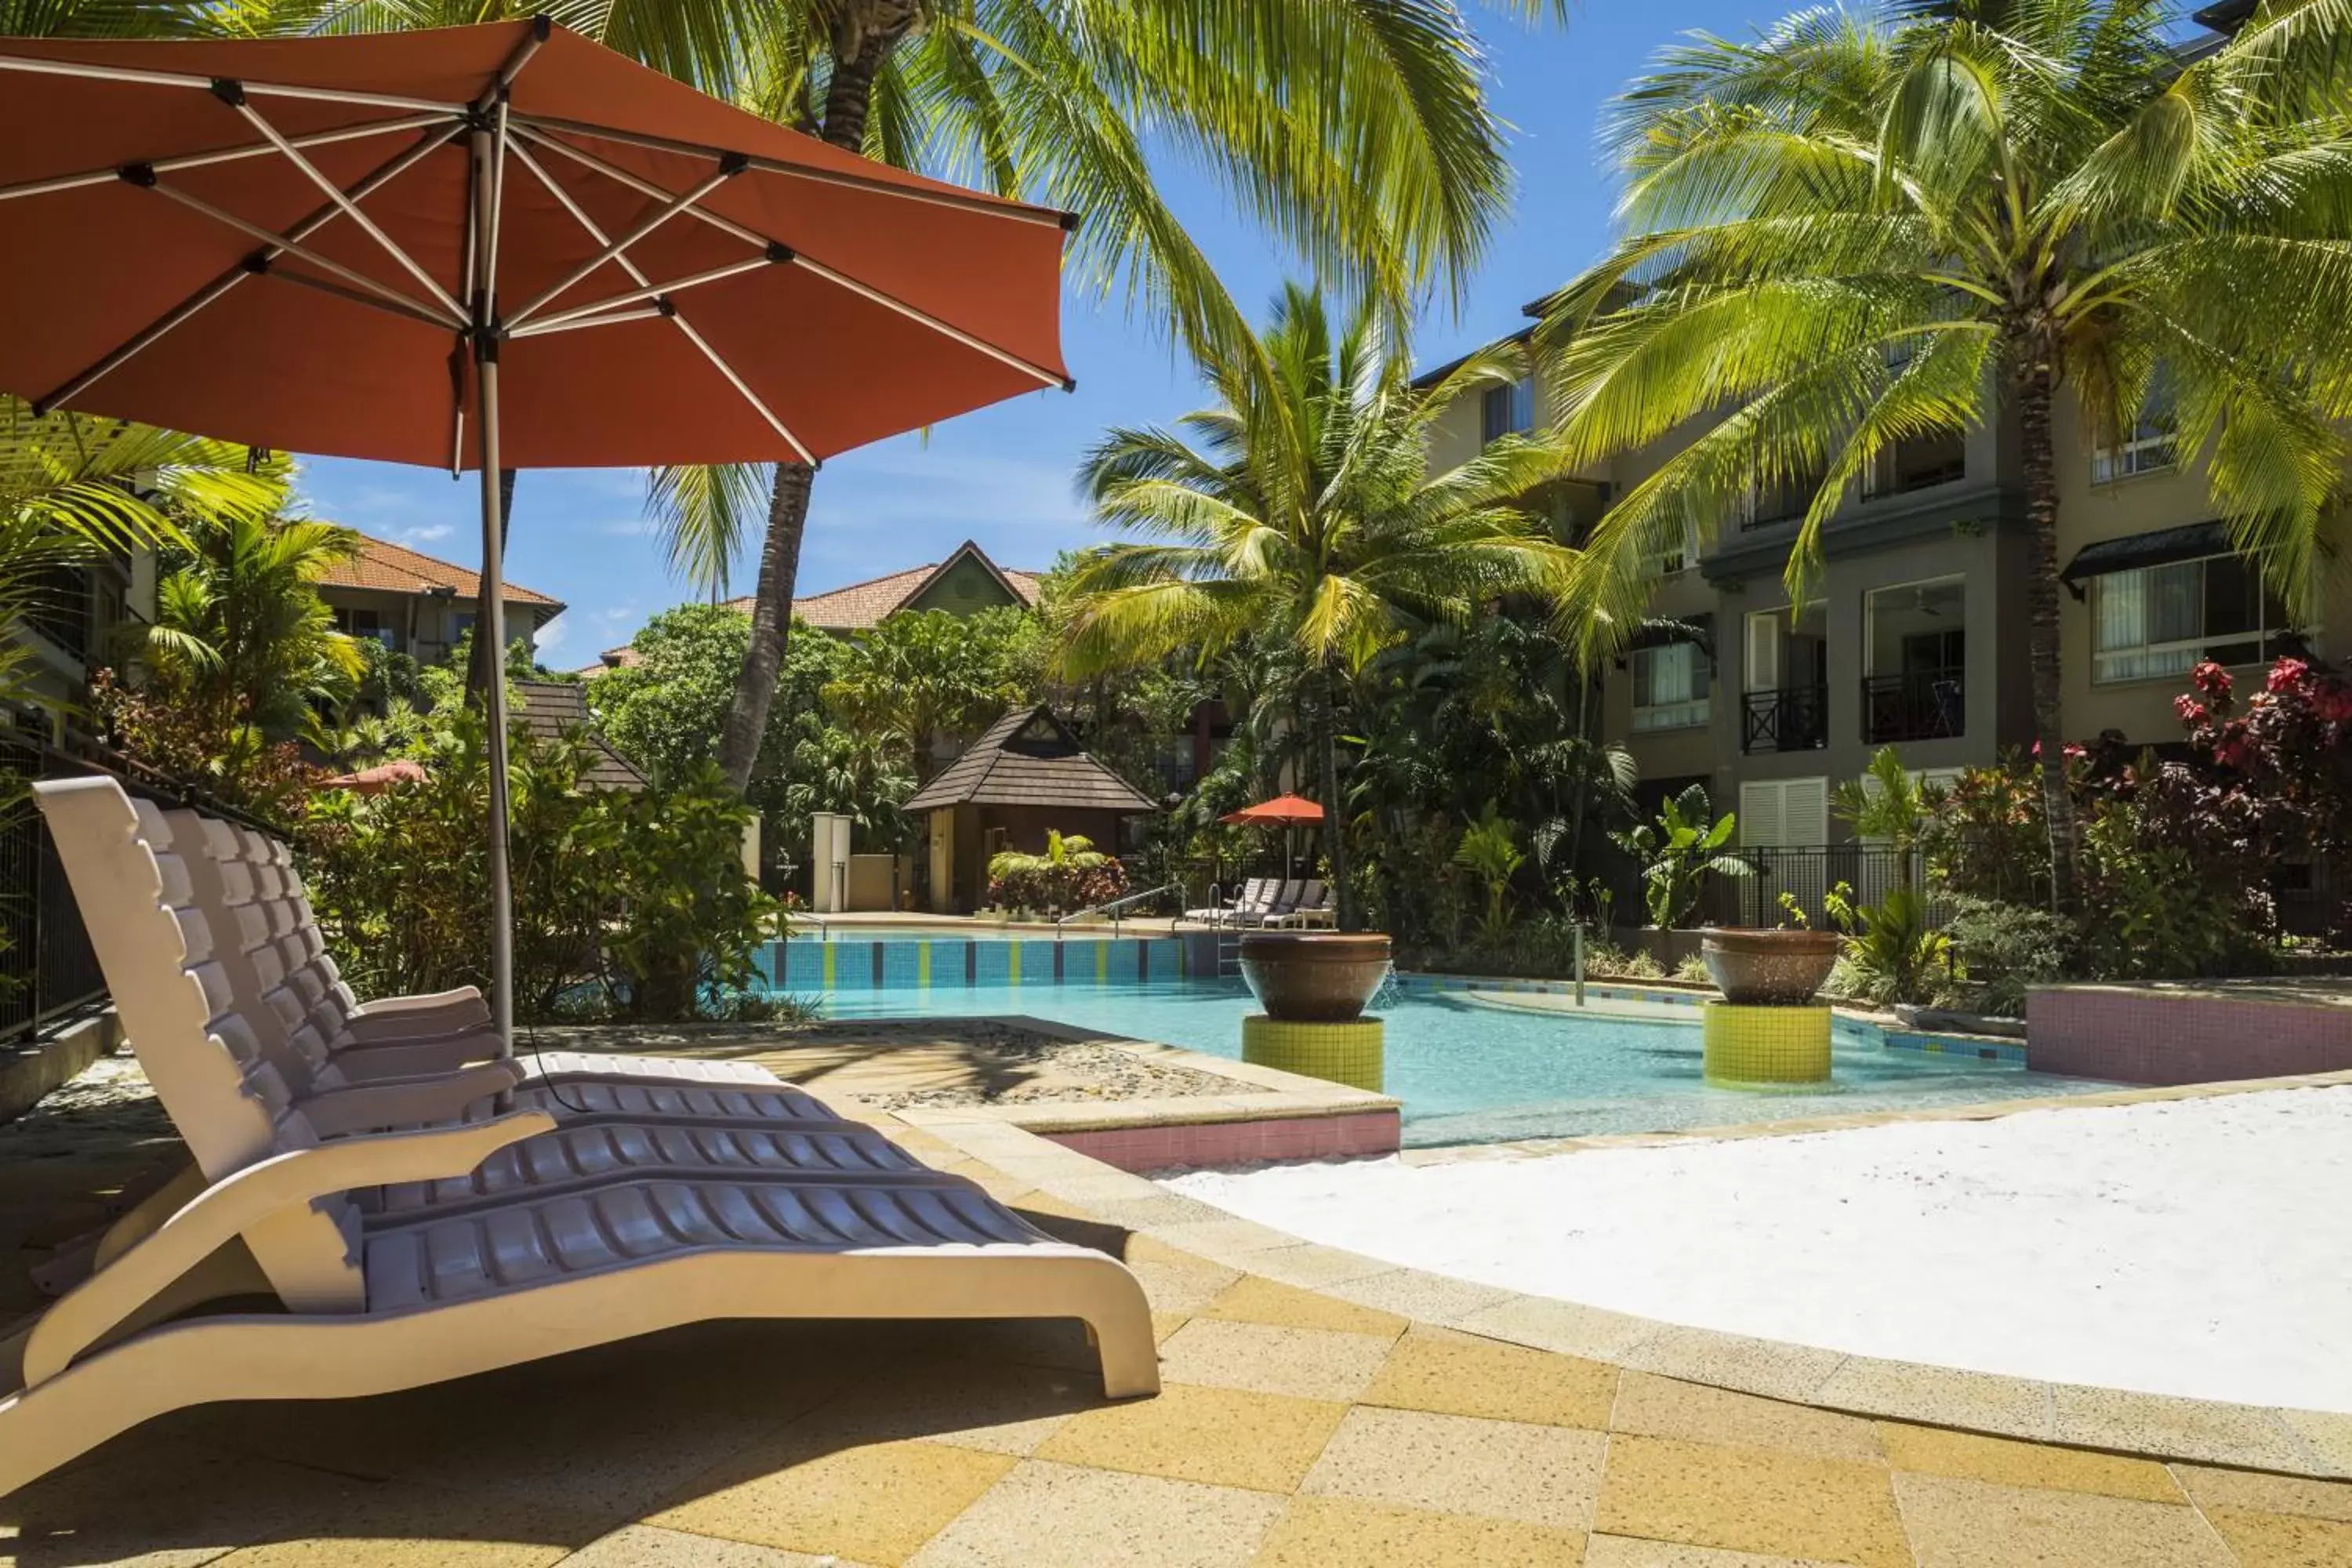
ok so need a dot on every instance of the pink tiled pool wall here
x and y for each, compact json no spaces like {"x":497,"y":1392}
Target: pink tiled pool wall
{"x":1238,"y":1143}
{"x":2152,"y":1037}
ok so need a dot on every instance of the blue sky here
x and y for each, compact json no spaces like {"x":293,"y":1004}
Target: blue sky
{"x":1003,"y":475}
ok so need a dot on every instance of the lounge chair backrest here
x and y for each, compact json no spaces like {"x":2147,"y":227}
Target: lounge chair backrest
{"x":1286,"y":900}
{"x":173,"y":997}
{"x":302,"y":985}
{"x":1312,"y":897}
{"x":1253,"y":896}
{"x":253,"y":954}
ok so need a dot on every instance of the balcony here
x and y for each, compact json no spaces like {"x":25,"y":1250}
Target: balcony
{"x":1792,"y":719}
{"x":1920,"y":705}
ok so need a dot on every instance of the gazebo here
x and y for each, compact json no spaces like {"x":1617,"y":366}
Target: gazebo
{"x":1026,"y":776}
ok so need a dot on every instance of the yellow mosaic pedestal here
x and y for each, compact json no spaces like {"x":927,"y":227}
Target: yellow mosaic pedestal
{"x":1765,"y":1045}
{"x":1350,"y":1053}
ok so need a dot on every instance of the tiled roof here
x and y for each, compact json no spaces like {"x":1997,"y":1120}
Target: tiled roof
{"x":388,"y":568}
{"x":860,"y":607}
{"x":1028,"y":758}
{"x":549,"y":710}
{"x":625,"y":657}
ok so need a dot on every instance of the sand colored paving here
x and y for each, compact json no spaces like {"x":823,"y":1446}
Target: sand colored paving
{"x":1308,"y":1426}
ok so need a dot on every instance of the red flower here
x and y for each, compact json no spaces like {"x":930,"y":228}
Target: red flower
{"x":2191,"y":711}
{"x":2210,"y":679}
{"x":2288,"y":673}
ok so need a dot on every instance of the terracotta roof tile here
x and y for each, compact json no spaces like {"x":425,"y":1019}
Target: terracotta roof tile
{"x":390,"y":568}
{"x":860,"y":607}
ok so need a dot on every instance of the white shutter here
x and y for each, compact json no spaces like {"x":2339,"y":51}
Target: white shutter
{"x":1945,"y":779}
{"x":1763,"y":672}
{"x":1805,"y":811}
{"x":1760,"y":815}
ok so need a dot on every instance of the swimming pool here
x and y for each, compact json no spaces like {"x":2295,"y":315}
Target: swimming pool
{"x":1471,"y":1069}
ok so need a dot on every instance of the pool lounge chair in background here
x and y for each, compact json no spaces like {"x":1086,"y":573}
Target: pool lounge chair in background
{"x":1255,"y":896}
{"x":376,"y":1302}
{"x":1313,"y":907}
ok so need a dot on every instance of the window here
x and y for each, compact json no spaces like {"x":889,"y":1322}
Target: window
{"x":2163,"y":621}
{"x":1782,"y":501}
{"x":366,"y":624}
{"x":1507,"y":410}
{"x":1915,"y":464}
{"x":1670,"y":687}
{"x":1780,"y":814}
{"x":2147,"y":446}
{"x":1683,"y":555}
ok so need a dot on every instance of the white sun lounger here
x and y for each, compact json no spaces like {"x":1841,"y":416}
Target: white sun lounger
{"x":275,"y":960}
{"x":1251,"y":896}
{"x":403,"y":1298}
{"x":1312,"y":907}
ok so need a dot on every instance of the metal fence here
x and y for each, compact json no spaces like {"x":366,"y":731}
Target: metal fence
{"x":1807,"y":876}
{"x":48,"y":971}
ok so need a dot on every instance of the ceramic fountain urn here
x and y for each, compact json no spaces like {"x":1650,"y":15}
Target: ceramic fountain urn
{"x":1314,"y":986}
{"x":1767,"y":1029}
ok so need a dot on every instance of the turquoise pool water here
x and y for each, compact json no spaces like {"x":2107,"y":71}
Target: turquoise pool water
{"x":1473,"y":1071}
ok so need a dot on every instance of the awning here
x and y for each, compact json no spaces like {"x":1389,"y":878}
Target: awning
{"x":2159,"y":548}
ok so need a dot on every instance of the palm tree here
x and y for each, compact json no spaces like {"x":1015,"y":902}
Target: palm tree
{"x":73,"y":488}
{"x":1306,"y":522}
{"x":242,"y":642}
{"x":1857,"y":230}
{"x":1356,"y":131}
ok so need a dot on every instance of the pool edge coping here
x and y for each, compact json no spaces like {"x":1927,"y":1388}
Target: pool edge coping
{"x":2276,"y":1439}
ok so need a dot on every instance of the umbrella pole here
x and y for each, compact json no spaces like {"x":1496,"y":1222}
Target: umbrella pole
{"x":490,"y":623}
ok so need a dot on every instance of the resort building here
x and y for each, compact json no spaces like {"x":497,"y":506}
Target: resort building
{"x":86,"y":616}
{"x":420,"y":605}
{"x":1918,"y":636}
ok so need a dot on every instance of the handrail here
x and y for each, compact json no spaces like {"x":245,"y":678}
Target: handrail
{"x":1110,"y":904}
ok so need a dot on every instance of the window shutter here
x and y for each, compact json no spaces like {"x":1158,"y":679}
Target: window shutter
{"x":1805,"y":811}
{"x":1760,"y":815}
{"x":1763,"y":672}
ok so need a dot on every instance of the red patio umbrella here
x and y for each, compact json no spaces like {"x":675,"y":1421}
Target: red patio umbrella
{"x":485,"y":247}
{"x":381,"y":777}
{"x":1283,"y":810}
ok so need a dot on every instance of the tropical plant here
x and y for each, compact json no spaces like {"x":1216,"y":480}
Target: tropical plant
{"x":1891,"y":806}
{"x":1071,"y":875}
{"x":241,"y":641}
{"x":1862,"y":228}
{"x":1679,"y":851}
{"x":921,"y":676}
{"x":1383,"y":167}
{"x":2006,"y":948}
{"x":1490,"y":849}
{"x":1891,"y":950}
{"x":1304,"y":521}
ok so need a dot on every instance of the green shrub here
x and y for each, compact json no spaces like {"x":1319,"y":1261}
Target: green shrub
{"x":1693,"y":971}
{"x":1891,"y":952}
{"x":2004,"y":948}
{"x":1679,"y":851}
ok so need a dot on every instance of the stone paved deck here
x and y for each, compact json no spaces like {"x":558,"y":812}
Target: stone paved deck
{"x":1315,"y":1412}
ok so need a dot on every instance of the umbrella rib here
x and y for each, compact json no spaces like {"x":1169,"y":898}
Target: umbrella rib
{"x":675,"y":206}
{"x":113,"y":172}
{"x":959,"y":201}
{"x":265,"y":88}
{"x":596,"y":233}
{"x":290,"y":246}
{"x":727,"y":225}
{"x":351,"y":208}
{"x":131,"y":347}
{"x":578,"y":315}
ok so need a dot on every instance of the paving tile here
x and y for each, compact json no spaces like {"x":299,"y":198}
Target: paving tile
{"x":1774,"y":1368}
{"x":1181,"y":1287}
{"x":1462,"y":1463}
{"x":1979,"y":1524}
{"x":1256,"y":1299}
{"x":2325,"y":1435}
{"x":1046,"y":1515}
{"x":2209,"y":1487}
{"x":644,"y":1546}
{"x":1562,"y":1326}
{"x":2281,"y":1540}
{"x":1464,"y":1374}
{"x":1433,"y":1297}
{"x":875,"y":1504}
{"x":1004,"y":1407}
{"x":1219,"y":1436}
{"x":1625,"y":1552}
{"x":1314,"y":1265}
{"x":188,"y":1506}
{"x":1940,"y":1395}
{"x":1751,"y":1500}
{"x":401,"y":1525}
{"x":1306,"y":1363}
{"x":1225,"y":1238}
{"x":2177,"y":1428}
{"x":1967,"y":1455}
{"x":1321,"y":1532}
{"x":1649,"y":1405}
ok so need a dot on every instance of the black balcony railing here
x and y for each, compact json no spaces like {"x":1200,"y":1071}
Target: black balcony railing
{"x":1793,"y":719}
{"x":1923,"y":705}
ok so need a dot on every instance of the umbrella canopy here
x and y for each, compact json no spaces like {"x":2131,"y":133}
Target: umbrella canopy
{"x":499,"y":245}
{"x":1283,"y":810}
{"x":382,"y":777}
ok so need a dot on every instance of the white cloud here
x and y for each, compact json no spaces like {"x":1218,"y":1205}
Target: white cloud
{"x":418,"y":536}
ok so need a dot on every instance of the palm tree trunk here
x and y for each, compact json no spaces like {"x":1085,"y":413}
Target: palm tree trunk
{"x":2036,"y":386}
{"x":1335,"y":831}
{"x":863,"y":38}
{"x":771,"y":623}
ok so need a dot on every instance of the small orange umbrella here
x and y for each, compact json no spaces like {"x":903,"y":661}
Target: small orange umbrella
{"x":1282,"y":811}
{"x":381,"y":777}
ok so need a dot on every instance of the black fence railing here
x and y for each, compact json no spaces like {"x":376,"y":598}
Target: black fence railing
{"x":48,"y":972}
{"x":1808,"y":874}
{"x":1793,"y":719}
{"x":1924,"y":705}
